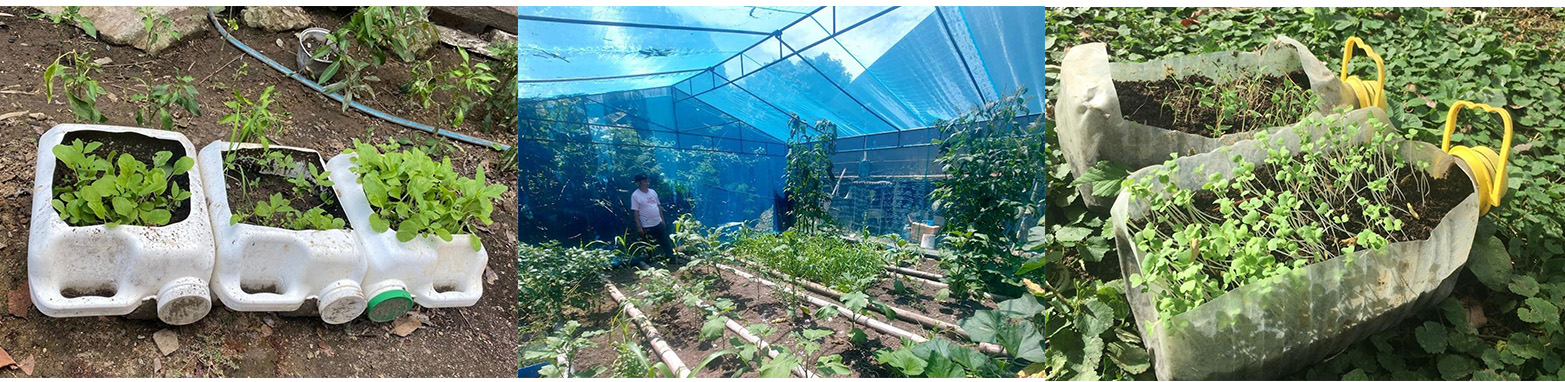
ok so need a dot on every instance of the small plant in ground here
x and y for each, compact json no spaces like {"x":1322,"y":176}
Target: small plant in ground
{"x":354,"y":83}
{"x":73,"y":15}
{"x":501,"y":105}
{"x":992,"y":186}
{"x":162,"y":99}
{"x":118,"y":188}
{"x":567,"y":341}
{"x":422,"y":83}
{"x":408,"y":190}
{"x":395,"y":30}
{"x":252,"y":120}
{"x":81,"y":91}
{"x":469,"y":85}
{"x":156,"y":26}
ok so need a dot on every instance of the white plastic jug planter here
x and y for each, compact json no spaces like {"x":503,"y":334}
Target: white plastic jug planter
{"x":1092,"y":127}
{"x":428,"y":271}
{"x":97,"y":270}
{"x":1279,"y":324}
{"x":272,"y":269}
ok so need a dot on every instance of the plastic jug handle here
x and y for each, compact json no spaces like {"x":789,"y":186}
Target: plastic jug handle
{"x":1505,"y":141}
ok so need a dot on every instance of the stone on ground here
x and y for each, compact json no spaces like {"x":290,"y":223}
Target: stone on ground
{"x":275,"y":19}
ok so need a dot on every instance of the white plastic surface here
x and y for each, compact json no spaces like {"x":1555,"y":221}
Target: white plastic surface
{"x":131,"y":265}
{"x":438,"y":273}
{"x":283,"y":267}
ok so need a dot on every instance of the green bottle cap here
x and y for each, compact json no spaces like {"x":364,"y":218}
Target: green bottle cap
{"x":389,"y":305}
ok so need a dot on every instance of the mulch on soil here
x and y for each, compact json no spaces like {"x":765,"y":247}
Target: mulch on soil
{"x":477,"y":341}
{"x":1171,"y":103}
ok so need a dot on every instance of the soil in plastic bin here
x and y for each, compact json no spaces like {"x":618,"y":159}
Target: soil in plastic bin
{"x":1443,"y":195}
{"x":138,"y":146}
{"x":249,"y":184}
{"x":1192,"y":104}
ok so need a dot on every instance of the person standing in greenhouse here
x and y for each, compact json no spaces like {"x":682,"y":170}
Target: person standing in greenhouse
{"x":649,"y":217}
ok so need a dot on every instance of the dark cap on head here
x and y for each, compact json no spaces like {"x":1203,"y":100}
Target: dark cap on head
{"x":640,"y":177}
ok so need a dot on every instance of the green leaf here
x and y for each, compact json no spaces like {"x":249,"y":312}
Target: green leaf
{"x":183,"y":165}
{"x":380,"y":225}
{"x":831,"y":364}
{"x":1538,"y":311}
{"x":903,"y":360}
{"x":1524,"y":285}
{"x":1022,"y":340}
{"x":713,"y":328}
{"x":1020,"y":307}
{"x":1130,"y":358}
{"x":779,"y":367}
{"x":983,"y":325}
{"x":1490,"y":263}
{"x":817,"y":334}
{"x":1431,"y":336}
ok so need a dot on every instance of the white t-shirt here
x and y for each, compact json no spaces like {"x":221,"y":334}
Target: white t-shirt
{"x":646,"y":206}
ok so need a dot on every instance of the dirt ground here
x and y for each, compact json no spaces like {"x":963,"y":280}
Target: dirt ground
{"x":478,"y":341}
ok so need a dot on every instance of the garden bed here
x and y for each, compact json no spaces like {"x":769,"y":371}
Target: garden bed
{"x":1200,"y":105}
{"x":478,"y":341}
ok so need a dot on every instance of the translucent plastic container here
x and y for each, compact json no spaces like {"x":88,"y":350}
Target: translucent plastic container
{"x":272,"y":269}
{"x":112,"y":271}
{"x":426,"y":270}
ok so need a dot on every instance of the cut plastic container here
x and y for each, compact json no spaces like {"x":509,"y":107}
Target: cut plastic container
{"x":271,"y":269}
{"x":426,"y":270}
{"x":1092,"y":127}
{"x":1283,"y":323}
{"x":112,"y":271}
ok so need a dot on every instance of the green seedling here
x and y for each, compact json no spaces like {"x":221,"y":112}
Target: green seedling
{"x":73,"y":15}
{"x":81,"y":91}
{"x":161,"y":101}
{"x":415,"y":195}
{"x":118,"y":189}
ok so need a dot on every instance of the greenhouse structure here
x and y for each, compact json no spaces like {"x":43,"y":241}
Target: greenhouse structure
{"x":700,"y":99}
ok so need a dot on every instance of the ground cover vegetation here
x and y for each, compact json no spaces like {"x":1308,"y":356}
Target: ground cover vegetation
{"x":1501,"y":321}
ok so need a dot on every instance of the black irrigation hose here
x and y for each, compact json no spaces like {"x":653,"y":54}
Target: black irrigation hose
{"x":360,"y":107}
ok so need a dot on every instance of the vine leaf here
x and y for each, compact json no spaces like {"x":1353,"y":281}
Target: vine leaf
{"x":1431,"y":337}
{"x":1491,"y":263}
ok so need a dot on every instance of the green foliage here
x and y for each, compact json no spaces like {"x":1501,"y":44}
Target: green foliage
{"x":81,"y":91}
{"x":156,"y":26}
{"x":1498,"y":56}
{"x":118,"y":188}
{"x":354,"y":83}
{"x":823,"y":258}
{"x":567,"y":341}
{"x":422,"y":83}
{"x":417,"y":196}
{"x":992,"y":183}
{"x":501,"y":105}
{"x":73,"y":15}
{"x":808,"y":173}
{"x":1016,"y":327}
{"x":162,"y":99}
{"x":252,"y":121}
{"x":278,"y":210}
{"x":1193,"y":255}
{"x":469,"y":84}
{"x":395,"y":30}
{"x":553,"y":278}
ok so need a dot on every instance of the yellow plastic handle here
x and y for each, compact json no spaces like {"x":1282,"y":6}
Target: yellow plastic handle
{"x":1347,"y":56}
{"x":1369,"y":93}
{"x":1497,"y":189}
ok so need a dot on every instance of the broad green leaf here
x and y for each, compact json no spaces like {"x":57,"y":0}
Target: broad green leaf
{"x":1491,"y":263}
{"x":983,"y":325}
{"x":903,"y":360}
{"x":1538,"y":310}
{"x":1020,"y":307}
{"x":1431,"y":336}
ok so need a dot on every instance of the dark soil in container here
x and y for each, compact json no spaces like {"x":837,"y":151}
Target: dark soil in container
{"x":1177,"y":104}
{"x":138,"y":146}
{"x":1444,"y":194}
{"x":249,"y":183}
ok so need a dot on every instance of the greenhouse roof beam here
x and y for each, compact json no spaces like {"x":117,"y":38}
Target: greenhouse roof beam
{"x":790,"y":55}
{"x":651,"y":147}
{"x":946,"y":27}
{"x":743,"y":140}
{"x":640,"y":25}
{"x":572,"y":79}
{"x":844,"y":91}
